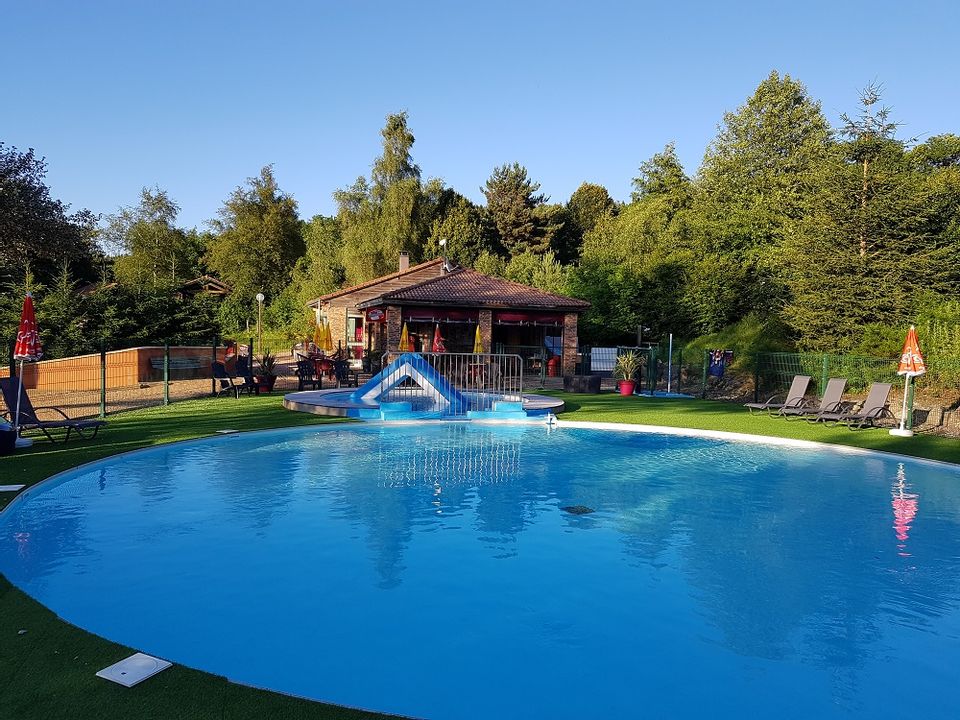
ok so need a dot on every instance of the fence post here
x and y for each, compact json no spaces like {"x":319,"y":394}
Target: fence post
{"x":824,"y":372}
{"x":706,"y":368}
{"x":166,"y":373}
{"x":213,"y":359}
{"x":756,"y":377}
{"x":103,"y":380}
{"x":250,"y":361}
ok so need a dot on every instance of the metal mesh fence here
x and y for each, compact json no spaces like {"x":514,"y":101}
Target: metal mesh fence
{"x":936,"y":393}
{"x":86,"y":386}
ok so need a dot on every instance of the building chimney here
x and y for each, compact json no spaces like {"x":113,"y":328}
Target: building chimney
{"x":404,"y":261}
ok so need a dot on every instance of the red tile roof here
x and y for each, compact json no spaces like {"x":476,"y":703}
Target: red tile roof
{"x":469,"y":288}
{"x":374,"y":281}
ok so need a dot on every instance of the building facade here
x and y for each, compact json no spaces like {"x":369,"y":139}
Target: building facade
{"x":368,"y":319}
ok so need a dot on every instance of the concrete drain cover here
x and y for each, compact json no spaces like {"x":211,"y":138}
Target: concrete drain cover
{"x":577,"y":509}
{"x":134,"y":669}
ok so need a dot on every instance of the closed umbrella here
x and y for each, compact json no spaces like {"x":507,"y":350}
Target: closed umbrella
{"x":911,"y":366}
{"x":478,"y":342}
{"x":27,"y":349}
{"x":404,"y":345}
{"x":327,"y":337}
{"x":438,"y":346}
{"x":318,"y":335}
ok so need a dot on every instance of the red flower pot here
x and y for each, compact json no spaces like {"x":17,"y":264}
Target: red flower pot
{"x":627,"y":387}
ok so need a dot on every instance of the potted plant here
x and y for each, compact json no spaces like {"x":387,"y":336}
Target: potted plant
{"x":626,"y":368}
{"x":267,"y":375}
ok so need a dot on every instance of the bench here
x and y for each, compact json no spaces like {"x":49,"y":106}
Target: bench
{"x":177,"y":363}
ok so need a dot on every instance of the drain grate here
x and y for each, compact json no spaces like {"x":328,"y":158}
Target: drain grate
{"x":577,"y":509}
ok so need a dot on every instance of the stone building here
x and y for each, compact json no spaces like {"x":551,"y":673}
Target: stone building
{"x":513,"y":318}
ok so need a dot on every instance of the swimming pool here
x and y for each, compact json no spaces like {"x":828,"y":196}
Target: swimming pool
{"x":469,"y":571}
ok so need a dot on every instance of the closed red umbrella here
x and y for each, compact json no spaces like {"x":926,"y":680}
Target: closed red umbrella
{"x":27,"y":349}
{"x":438,"y":346}
{"x":911,"y":366}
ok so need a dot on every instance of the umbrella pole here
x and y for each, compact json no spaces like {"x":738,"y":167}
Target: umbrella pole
{"x":19,"y":441}
{"x":902,"y":430}
{"x":670,"y":364}
{"x":903,"y":413}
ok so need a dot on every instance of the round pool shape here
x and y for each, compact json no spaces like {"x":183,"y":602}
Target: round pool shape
{"x":457,"y":570}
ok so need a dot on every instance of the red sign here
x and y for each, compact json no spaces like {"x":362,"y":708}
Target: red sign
{"x":376,"y":315}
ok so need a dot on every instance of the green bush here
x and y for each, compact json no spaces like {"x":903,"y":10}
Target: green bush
{"x":750,"y":335}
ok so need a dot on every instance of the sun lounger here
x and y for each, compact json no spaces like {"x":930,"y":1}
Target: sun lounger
{"x":870,"y":410}
{"x":29,"y":420}
{"x":831,"y":402}
{"x":794,"y":397}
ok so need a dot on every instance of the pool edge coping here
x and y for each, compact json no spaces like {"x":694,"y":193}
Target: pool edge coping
{"x":751,"y":438}
{"x":558,"y":423}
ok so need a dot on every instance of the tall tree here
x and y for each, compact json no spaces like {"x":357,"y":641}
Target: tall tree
{"x":882,"y":231}
{"x":256,"y":244}
{"x":462,"y":226}
{"x":584,"y":209}
{"x":870,"y":135}
{"x":36,"y":230}
{"x":511,"y":199}
{"x":392,"y":212}
{"x":758,"y":171}
{"x":153,"y":250}
{"x":753,"y":187}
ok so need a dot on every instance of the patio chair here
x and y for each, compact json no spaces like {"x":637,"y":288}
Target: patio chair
{"x":245,"y":374}
{"x":832,"y":401}
{"x":225,"y":382}
{"x":344,"y":375}
{"x":306,"y":373}
{"x":794,"y":397}
{"x":870,"y":410}
{"x":29,"y":420}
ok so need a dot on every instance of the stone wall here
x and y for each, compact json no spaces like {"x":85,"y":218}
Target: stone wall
{"x":570,"y":344}
{"x":486,"y":329}
{"x":394,"y":327}
{"x":337,"y":317}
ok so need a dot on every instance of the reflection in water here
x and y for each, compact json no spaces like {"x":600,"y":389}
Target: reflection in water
{"x":904,"y":509}
{"x":456,"y":457}
{"x":768,"y":576}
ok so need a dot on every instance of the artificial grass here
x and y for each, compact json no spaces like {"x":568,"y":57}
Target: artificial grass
{"x":49,"y":671}
{"x":730,"y":417}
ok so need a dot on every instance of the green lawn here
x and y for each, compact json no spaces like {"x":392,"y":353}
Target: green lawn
{"x":49,"y":670}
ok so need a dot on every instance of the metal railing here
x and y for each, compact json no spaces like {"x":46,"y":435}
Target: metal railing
{"x":467,"y":381}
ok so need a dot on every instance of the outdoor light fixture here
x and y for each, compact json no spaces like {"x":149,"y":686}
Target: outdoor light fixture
{"x":260,"y":299}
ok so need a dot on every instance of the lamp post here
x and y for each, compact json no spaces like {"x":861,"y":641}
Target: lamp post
{"x":260,"y":299}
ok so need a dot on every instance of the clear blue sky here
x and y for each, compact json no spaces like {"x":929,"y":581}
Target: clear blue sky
{"x":196,"y":96}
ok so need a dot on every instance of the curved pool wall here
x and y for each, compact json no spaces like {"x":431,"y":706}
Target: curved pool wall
{"x":345,"y":403}
{"x":458,"y":570}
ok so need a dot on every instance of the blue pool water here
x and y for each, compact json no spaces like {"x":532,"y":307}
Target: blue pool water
{"x":432,"y":571}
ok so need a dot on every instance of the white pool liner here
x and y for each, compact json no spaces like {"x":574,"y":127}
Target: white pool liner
{"x":134,"y":669}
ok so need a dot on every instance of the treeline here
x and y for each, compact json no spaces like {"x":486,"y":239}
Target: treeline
{"x":791,"y":234}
